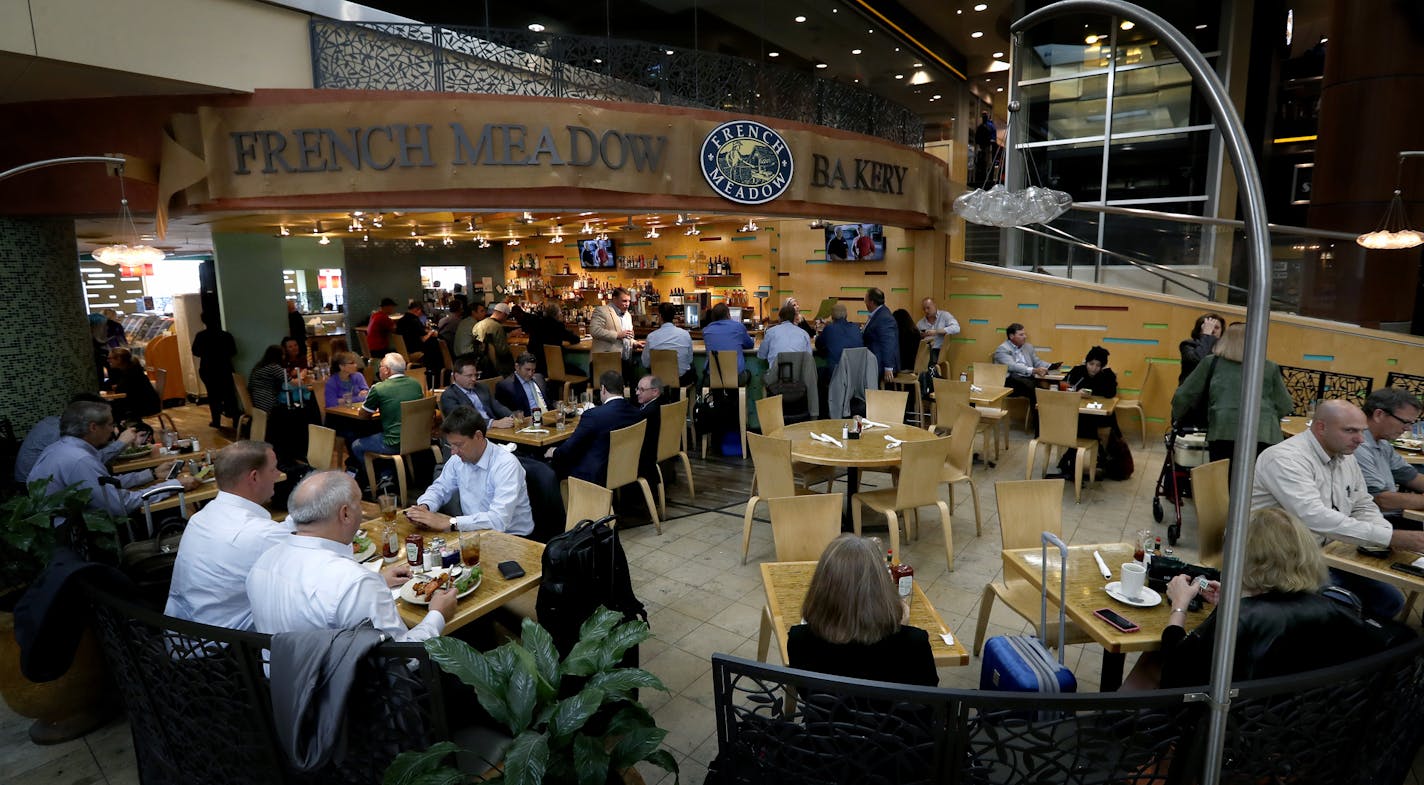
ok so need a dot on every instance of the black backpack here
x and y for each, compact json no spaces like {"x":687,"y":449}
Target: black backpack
{"x":794,"y":406}
{"x":585,"y":567}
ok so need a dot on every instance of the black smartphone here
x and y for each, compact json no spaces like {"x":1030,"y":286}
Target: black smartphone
{"x":175,"y":471}
{"x":1381,"y":552}
{"x":1406,"y":567}
{"x":1116,"y":619}
{"x":511,"y":570}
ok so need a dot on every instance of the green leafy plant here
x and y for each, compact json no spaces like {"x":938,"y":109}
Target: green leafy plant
{"x":581,"y":739}
{"x":28,"y":533}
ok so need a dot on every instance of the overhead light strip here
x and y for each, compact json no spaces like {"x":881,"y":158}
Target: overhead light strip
{"x":885,"y":21}
{"x":1292,"y":139}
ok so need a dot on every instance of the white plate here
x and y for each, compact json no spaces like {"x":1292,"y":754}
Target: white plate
{"x":1148,"y":598}
{"x":407,"y":590}
{"x":363,"y":555}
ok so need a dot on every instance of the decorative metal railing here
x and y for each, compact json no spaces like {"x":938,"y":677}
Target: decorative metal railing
{"x":379,"y":56}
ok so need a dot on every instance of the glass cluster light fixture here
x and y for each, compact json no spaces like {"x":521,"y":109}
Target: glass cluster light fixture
{"x":1003,"y":208}
{"x":129,"y":254}
{"x":1393,"y":232}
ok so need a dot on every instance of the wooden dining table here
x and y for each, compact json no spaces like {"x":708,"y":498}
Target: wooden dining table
{"x":1086,"y":594}
{"x":494,"y":590}
{"x":988,"y":395}
{"x":1106,"y":405}
{"x":550,"y":436}
{"x":786,"y":584}
{"x":1344,"y":556}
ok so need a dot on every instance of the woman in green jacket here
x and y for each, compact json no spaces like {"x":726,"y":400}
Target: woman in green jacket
{"x":1217,"y":381}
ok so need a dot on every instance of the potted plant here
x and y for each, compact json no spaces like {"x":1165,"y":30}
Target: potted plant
{"x":591,"y":737}
{"x":70,"y":706}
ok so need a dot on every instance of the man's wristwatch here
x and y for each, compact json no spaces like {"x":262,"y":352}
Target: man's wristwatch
{"x":453,"y":527}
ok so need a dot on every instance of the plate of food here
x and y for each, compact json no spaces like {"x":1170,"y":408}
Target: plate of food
{"x":132,"y":453}
{"x":417,"y":591}
{"x":363,"y":547}
{"x":1413,"y":445}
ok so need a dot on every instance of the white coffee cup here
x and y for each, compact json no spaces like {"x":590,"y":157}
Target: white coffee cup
{"x":1134,"y":577}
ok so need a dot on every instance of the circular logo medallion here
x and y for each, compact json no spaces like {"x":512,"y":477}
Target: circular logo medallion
{"x":746,"y":162}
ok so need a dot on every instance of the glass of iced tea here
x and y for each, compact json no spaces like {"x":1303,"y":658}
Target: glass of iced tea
{"x":388,"y":507}
{"x":470,"y":548}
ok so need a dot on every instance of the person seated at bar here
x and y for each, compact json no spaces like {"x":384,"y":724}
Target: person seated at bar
{"x":1285,"y":620}
{"x":310,"y":581}
{"x":721,"y":333}
{"x":481,"y":486}
{"x":46,"y":432}
{"x":447,"y":325}
{"x":523,"y":391}
{"x":380,"y":328}
{"x":1395,"y":485}
{"x":126,"y":375}
{"x":385,"y":399}
{"x":837,"y":336}
{"x":465,"y":342}
{"x":784,"y":336}
{"x":421,"y":337}
{"x":492,"y":336}
{"x":855,"y":621}
{"x":224,"y":539}
{"x":585,"y":454}
{"x":670,"y":337}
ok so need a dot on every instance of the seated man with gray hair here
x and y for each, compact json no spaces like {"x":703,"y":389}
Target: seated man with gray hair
{"x":385,"y":399}
{"x":310,"y":582}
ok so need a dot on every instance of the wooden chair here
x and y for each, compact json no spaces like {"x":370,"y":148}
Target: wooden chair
{"x":671,"y":445}
{"x":399,"y":347}
{"x":909,"y":381}
{"x":921,"y":472}
{"x":886,"y":406}
{"x":159,"y":379}
{"x":449,"y":370}
{"x":1026,"y":510}
{"x":586,"y":502}
{"x":665,"y":368}
{"x":558,"y":373}
{"x":244,"y":398}
{"x":802,"y":526}
{"x":948,"y":394}
{"x":1058,"y":427}
{"x":1135,"y":404}
{"x":716,"y":381}
{"x":257,"y":430}
{"x":417,"y":425}
{"x":625,"y":446}
{"x":960,"y":465}
{"x":490,"y":383}
{"x":771,"y":462}
{"x":371,"y":371}
{"x":769,"y":415}
{"x":600,"y":363}
{"x":1210,"y":495}
{"x":321,"y":446}
{"x":993,"y":375}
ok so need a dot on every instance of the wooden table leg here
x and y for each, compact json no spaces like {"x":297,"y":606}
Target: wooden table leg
{"x":1112,"y":671}
{"x":764,"y":637}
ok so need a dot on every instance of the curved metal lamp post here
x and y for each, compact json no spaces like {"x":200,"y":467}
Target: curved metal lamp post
{"x":1258,"y":316}
{"x":76,"y":159}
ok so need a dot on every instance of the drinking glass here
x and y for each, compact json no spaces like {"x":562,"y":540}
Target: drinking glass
{"x":169,"y":439}
{"x":560,"y":413}
{"x":388,"y":507}
{"x":470,"y":548}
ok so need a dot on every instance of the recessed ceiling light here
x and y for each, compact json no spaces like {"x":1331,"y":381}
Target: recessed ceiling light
{"x":999,"y":90}
{"x":870,"y":30}
{"x":897,"y":48}
{"x":598,"y":60}
{"x":1201,"y":27}
{"x":835,"y":10}
{"x":822,"y":65}
{"x":773,"y":54}
{"x":1126,"y":24}
{"x":936,"y":97}
{"x":998,"y":55}
{"x":536,"y":27}
{"x":958,"y":12}
{"x":899,"y":76}
{"x":800,"y":19}
{"x":855,"y":51}
{"x":976,"y":34}
{"x":668,"y":51}
{"x":1090,"y":40}
{"x":981,"y":7}
{"x":857,"y":81}
{"x":919,"y":65}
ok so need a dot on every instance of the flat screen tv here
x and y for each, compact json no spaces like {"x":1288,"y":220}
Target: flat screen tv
{"x":855,"y":243}
{"x":597,"y":254}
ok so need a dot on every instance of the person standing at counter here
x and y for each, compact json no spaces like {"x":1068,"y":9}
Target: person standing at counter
{"x":880,"y":334}
{"x":612,"y":329}
{"x":784,"y":336}
{"x":380,"y":328}
{"x":215,"y":347}
{"x":670,"y":337}
{"x":297,"y":328}
{"x":721,"y":333}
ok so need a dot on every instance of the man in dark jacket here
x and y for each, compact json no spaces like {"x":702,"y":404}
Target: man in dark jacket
{"x":880,"y":334}
{"x":465,"y":390}
{"x":585,"y":454}
{"x":523,"y":390}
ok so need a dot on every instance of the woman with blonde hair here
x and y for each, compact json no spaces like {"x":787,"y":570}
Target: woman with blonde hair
{"x":854,"y":620}
{"x":1216,"y":382}
{"x":1284,"y":620}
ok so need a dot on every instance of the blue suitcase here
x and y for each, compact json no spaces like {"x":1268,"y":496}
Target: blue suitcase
{"x":1021,"y":663}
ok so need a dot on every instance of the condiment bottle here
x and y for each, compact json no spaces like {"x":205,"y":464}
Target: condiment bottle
{"x":414,"y":550}
{"x":432,"y":555}
{"x":904,"y":577}
{"x":390,"y":543}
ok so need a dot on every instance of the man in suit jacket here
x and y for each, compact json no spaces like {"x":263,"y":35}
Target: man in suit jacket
{"x":585,"y":454}
{"x":523,"y":390}
{"x":649,"y":394}
{"x":880,"y":334}
{"x":612,"y":328}
{"x":465,"y":390}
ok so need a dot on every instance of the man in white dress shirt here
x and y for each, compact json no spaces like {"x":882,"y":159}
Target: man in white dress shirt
{"x":224,"y":539}
{"x":310,"y":582}
{"x":487,"y":480}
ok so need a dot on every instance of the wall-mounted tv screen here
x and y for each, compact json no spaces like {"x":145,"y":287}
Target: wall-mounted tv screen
{"x":855,"y":243}
{"x":594,"y":254}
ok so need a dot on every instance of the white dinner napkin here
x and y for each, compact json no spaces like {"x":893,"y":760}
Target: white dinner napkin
{"x":872,"y":424}
{"x":532,"y":429}
{"x":821,"y":437}
{"x":975,"y":388}
{"x":893,"y":442}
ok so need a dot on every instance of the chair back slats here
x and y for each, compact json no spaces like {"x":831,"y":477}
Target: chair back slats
{"x":948,"y":392}
{"x":625,"y":445}
{"x":990,"y":374}
{"x":665,"y":366}
{"x":1027,"y":508}
{"x":602,"y":362}
{"x":1210,"y":495}
{"x":964,"y":424}
{"x":770,"y":415}
{"x":587,"y":502}
{"x":258,"y":430}
{"x":718,"y":361}
{"x":886,"y":406}
{"x":671,"y":418}
{"x":771,"y":459}
{"x":921,"y":470}
{"x":1058,"y":417}
{"x":417,"y":424}
{"x":802,"y":526}
{"x":321,"y":443}
{"x":554,"y":361}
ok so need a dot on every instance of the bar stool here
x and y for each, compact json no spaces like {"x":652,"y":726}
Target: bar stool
{"x":718,"y":379}
{"x":601,"y":362}
{"x":665,"y":368}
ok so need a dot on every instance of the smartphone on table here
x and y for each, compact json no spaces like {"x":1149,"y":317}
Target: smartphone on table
{"x":1116,"y":619}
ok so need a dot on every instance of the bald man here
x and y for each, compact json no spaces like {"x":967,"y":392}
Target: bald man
{"x":1314,"y":476}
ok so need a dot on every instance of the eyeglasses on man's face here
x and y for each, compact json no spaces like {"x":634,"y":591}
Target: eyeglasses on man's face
{"x":1409,"y":423}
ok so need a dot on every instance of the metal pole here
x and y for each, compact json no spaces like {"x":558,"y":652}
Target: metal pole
{"x":1258,"y":314}
{"x":76,"y":159}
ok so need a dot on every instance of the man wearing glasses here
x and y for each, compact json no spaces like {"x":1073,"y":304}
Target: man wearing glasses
{"x":1395,"y":485}
{"x":465,"y":390}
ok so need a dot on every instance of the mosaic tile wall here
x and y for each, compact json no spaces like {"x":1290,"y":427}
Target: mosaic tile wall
{"x":44,"y":337}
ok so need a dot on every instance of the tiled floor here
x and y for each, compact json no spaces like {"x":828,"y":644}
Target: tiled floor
{"x":702,"y":600}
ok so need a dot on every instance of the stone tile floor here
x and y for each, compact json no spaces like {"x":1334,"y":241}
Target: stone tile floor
{"x":702,"y":600}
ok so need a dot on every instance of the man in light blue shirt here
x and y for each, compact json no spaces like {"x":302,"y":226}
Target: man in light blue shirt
{"x":488,"y":482}
{"x":671,"y":337}
{"x":785,"y":336}
{"x":46,"y":432}
{"x":1395,"y":485}
{"x":933,"y":328}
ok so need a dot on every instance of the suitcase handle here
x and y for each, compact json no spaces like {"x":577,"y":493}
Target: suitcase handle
{"x":1050,"y":537}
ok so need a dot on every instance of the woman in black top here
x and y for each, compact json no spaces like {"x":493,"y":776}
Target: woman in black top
{"x":1197,"y":348}
{"x":854,"y":621}
{"x":126,"y":375}
{"x":909,"y":336}
{"x":1094,"y":377}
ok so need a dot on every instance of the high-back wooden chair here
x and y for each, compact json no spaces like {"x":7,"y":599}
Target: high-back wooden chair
{"x":558,"y":373}
{"x":257,"y":430}
{"x":802,"y":526}
{"x":960,"y":465}
{"x":948,"y":393}
{"x":771,"y":462}
{"x":449,"y":370}
{"x":398,"y":346}
{"x":321,"y":446}
{"x":587,"y":502}
{"x":770,"y":416}
{"x":1210,"y":495}
{"x":625,"y":446}
{"x":994,"y":375}
{"x":886,"y":406}
{"x":244,"y":398}
{"x":490,"y":384}
{"x":417,"y":425}
{"x":909,"y":381}
{"x":671,"y":416}
{"x":360,"y":345}
{"x":722,"y":375}
{"x":1026,"y":510}
{"x":1135,"y":404}
{"x":602,"y":362}
{"x":665,"y":368}
{"x":921,"y":472}
{"x":1058,"y":427}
